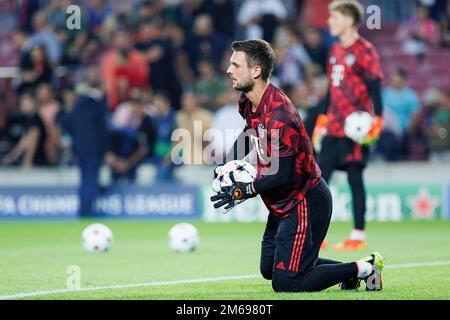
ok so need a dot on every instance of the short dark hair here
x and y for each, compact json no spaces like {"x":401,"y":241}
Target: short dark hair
{"x":401,"y":72}
{"x":350,"y":8}
{"x":258,"y":52}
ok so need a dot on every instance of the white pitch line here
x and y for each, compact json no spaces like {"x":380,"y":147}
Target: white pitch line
{"x":217,"y":279}
{"x":418,"y":264}
{"x":131,"y":285}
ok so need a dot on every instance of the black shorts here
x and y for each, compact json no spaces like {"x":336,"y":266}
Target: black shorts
{"x":291,"y":244}
{"x":339,"y":152}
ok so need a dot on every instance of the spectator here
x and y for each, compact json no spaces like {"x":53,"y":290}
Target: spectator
{"x":48,"y":108}
{"x":196,"y":121}
{"x":259,"y":18}
{"x":438,"y":132}
{"x":57,"y":15}
{"x":315,"y":47}
{"x":131,"y":139}
{"x":401,"y":101}
{"x":222,"y":14}
{"x":123,"y":68}
{"x":205,"y":43}
{"x":209,"y":86}
{"x":63,"y":125}
{"x":98,"y":14}
{"x":181,"y":59}
{"x":292,"y":58}
{"x":35,"y":69}
{"x":419,"y":33}
{"x":166,"y":124}
{"x":25,"y":13}
{"x":30,"y":150}
{"x":89,"y":133}
{"x":392,"y":144}
{"x":160,"y":58}
{"x":83,"y":50}
{"x":227,"y":124}
{"x":45,"y":37}
{"x":21,"y":40}
{"x":184,"y":13}
{"x":13,"y":127}
{"x":444,"y":28}
{"x":307,"y":105}
{"x":416,"y":137}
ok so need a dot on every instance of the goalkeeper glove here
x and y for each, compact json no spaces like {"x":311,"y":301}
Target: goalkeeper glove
{"x":217,"y":171}
{"x":320,"y":130}
{"x":238,"y":191}
{"x":375,"y":131}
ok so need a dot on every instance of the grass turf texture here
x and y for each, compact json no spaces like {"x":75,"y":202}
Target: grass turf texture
{"x":34,"y":256}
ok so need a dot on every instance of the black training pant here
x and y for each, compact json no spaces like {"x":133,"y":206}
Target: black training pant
{"x":290,"y":247}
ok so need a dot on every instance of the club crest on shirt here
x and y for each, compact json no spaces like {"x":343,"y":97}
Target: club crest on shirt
{"x":261,"y":130}
{"x":332,"y":60}
{"x":350,"y":59}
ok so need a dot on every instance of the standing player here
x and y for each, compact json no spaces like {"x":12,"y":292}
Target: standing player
{"x":298,"y":200}
{"x":355,"y":85}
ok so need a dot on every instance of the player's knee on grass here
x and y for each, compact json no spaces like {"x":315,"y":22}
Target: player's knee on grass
{"x":266,"y":271}
{"x":282,"y":283}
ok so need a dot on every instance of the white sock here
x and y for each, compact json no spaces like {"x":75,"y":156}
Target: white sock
{"x":364,"y":269}
{"x":357,"y":234}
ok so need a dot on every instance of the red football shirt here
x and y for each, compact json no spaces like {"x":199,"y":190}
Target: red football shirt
{"x":348,"y":70}
{"x":276,"y":130}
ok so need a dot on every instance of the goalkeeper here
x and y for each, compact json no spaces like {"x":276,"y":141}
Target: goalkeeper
{"x":355,"y":77}
{"x":289,"y":182}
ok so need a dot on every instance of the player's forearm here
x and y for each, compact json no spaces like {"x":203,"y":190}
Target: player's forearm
{"x":374,"y":88}
{"x":284,"y":176}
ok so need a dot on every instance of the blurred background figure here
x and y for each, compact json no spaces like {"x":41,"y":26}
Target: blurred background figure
{"x":226,"y":124}
{"x":35,"y":69}
{"x":30,"y":149}
{"x":196,"y":121}
{"x":166,"y":124}
{"x":123,"y":68}
{"x":45,"y":37}
{"x":419,"y":32}
{"x":160,"y":56}
{"x":132,"y":137}
{"x":402,"y":104}
{"x":209,"y":86}
{"x":292,"y":57}
{"x":259,"y":18}
{"x":48,"y":109}
{"x":439,"y":129}
{"x":205,"y":43}
{"x":88,"y":125}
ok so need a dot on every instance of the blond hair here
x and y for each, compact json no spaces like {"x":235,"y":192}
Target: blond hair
{"x":351,"y":8}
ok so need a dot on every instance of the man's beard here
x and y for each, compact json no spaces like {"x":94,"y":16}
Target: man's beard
{"x":246,"y":87}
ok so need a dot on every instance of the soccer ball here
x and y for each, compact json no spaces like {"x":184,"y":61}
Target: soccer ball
{"x":357,"y":126}
{"x":97,"y":238}
{"x":242,"y":170}
{"x":183,"y":237}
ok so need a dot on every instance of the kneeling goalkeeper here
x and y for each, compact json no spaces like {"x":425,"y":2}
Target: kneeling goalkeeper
{"x":289,"y":182}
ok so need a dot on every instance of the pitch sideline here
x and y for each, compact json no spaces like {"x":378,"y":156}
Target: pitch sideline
{"x":201,"y":280}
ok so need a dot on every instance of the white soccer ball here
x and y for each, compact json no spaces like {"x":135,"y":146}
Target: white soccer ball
{"x":357,"y":126}
{"x":97,"y":238}
{"x":242,"y":170}
{"x":183,"y":237}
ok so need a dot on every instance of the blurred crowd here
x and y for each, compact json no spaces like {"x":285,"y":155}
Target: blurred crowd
{"x":161,"y":65}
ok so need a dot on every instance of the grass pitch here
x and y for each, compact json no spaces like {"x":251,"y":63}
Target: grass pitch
{"x":35,"y":256}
